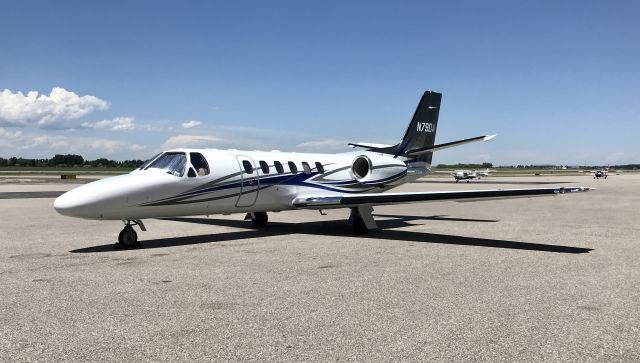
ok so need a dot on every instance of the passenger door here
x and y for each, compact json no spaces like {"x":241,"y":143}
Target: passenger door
{"x":250,"y":182}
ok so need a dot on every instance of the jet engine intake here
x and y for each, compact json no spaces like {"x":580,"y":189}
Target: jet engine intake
{"x":377,"y":170}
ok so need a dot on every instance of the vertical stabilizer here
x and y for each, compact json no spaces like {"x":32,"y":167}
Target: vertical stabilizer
{"x":421,"y":132}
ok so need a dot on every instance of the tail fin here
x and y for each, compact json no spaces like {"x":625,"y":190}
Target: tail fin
{"x":418,"y":143}
{"x":421,"y":132}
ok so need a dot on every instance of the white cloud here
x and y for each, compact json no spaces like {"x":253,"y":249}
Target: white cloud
{"x":615,"y":157}
{"x":65,"y":144}
{"x":115,"y":124}
{"x":18,"y":109}
{"x":6,"y":134}
{"x":191,"y":124}
{"x":136,"y":147}
{"x":8,"y":138}
{"x":326,"y":145}
{"x":181,"y":141}
{"x":35,"y":145}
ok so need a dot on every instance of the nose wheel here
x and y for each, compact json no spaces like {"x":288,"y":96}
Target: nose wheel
{"x":128,"y":238}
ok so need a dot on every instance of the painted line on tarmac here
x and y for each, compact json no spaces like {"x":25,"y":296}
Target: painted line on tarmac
{"x":27,"y":195}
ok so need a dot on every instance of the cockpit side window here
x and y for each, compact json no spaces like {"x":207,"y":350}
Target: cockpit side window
{"x":199,"y":164}
{"x":172,"y":162}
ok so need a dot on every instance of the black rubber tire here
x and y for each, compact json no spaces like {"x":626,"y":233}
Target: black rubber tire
{"x":260,"y":219}
{"x":129,"y":237}
{"x":358,"y":226}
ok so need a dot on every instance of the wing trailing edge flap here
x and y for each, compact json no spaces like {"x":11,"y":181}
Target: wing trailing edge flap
{"x":398,"y":198}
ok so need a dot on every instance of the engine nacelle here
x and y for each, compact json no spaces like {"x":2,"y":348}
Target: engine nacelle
{"x":377,"y":169}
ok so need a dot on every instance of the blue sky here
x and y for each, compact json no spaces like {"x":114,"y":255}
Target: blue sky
{"x":559,"y":82}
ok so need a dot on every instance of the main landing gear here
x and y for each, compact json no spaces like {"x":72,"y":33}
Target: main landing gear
{"x":362,"y":220}
{"x":259,"y":219}
{"x":128,"y":238}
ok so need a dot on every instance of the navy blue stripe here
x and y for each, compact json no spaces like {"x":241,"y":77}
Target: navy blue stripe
{"x":293,"y":180}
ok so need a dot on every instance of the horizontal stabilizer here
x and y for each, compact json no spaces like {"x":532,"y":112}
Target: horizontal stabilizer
{"x":369,"y":145}
{"x":396,"y":198}
{"x":425,"y":150}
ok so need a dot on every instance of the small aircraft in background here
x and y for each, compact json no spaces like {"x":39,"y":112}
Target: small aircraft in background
{"x":600,"y":174}
{"x":483,"y":173}
{"x":188,"y":182}
{"x":468,"y":175}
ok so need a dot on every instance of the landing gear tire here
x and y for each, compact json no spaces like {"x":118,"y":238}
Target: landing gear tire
{"x":260,"y":219}
{"x":468,"y":181}
{"x":358,"y":226}
{"x":128,"y":237}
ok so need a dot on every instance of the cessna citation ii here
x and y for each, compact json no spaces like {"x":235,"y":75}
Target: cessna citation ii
{"x":184,"y":182}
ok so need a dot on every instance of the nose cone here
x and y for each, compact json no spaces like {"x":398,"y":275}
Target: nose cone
{"x":115,"y":197}
{"x":79,"y":202}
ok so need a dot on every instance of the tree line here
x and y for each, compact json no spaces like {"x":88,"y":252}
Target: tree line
{"x":466,"y":166}
{"x":69,"y":160}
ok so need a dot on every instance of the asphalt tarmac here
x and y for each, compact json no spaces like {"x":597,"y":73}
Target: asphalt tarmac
{"x":530,"y":279}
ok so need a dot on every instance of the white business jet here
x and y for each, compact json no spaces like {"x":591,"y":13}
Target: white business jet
{"x":184,"y":182}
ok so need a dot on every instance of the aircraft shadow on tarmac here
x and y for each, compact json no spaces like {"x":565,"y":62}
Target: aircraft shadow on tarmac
{"x":491,"y":181}
{"x":340,"y":228}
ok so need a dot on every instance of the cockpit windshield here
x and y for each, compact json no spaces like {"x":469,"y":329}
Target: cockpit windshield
{"x":146,"y":163}
{"x":172,"y":162}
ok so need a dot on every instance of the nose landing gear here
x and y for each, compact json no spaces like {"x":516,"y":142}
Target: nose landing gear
{"x":128,"y":238}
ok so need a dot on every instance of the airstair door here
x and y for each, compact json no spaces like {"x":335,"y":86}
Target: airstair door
{"x":250,"y":183}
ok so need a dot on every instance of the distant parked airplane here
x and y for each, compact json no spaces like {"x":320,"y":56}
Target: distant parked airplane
{"x":468,"y":174}
{"x":600,"y":174}
{"x":184,"y":182}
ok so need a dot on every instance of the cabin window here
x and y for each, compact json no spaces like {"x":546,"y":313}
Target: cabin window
{"x":191,"y":173}
{"x":146,"y":163}
{"x":293,"y":167}
{"x":319,"y":167}
{"x":279,"y":167}
{"x":306,"y":168}
{"x":199,"y":164}
{"x":172,"y":162}
{"x":264,"y":166}
{"x":247,"y":166}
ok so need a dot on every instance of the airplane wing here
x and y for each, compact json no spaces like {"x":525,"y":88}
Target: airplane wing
{"x":337,"y":201}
